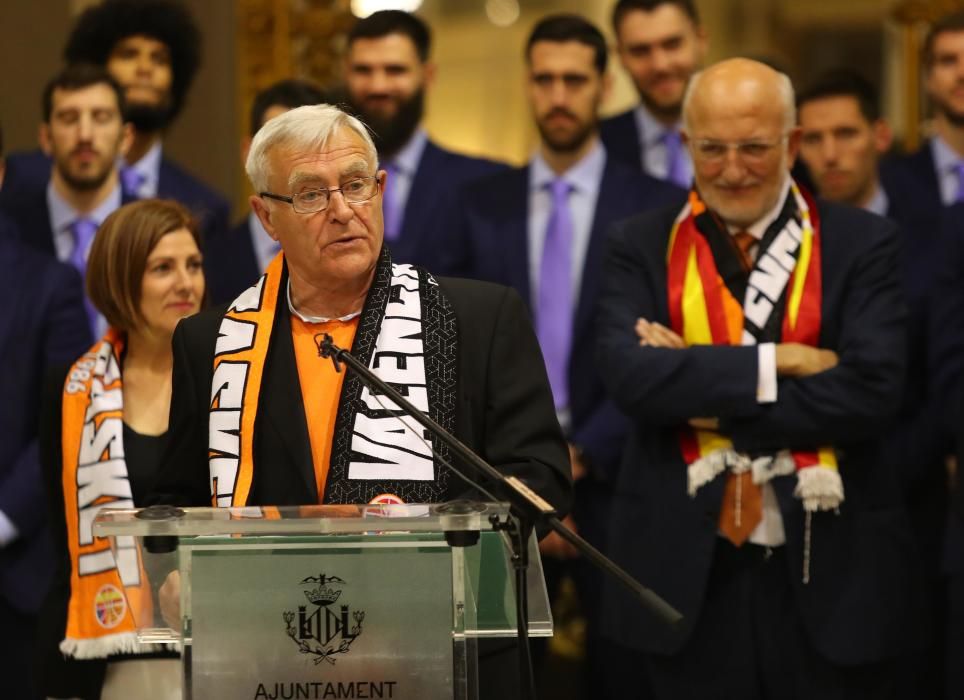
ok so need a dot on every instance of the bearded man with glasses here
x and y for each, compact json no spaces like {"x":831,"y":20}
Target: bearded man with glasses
{"x":755,"y":339}
{"x":282,"y":427}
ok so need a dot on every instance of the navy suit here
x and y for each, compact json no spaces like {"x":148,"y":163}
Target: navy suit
{"x":851,"y":612}
{"x":28,"y":172}
{"x":27,"y":208}
{"x":912,"y":187}
{"x":439,"y":175}
{"x":621,"y":137}
{"x":43,"y":325}
{"x":230,"y":262}
{"x":492,"y":232}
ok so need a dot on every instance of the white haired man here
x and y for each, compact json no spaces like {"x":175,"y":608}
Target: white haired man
{"x":319,"y":195}
{"x":755,"y":338}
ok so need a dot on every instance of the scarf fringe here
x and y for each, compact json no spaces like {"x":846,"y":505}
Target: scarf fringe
{"x":109,"y":645}
{"x":820,"y":488}
{"x":766,"y":468}
{"x":707,"y":467}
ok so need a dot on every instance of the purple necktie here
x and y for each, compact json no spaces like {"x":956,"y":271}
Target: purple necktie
{"x":390,"y":204}
{"x":960,"y":182}
{"x":675,"y":158}
{"x":131,"y":181}
{"x":83,"y":231}
{"x":554,"y":311}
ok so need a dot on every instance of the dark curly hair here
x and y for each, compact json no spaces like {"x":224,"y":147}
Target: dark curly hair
{"x":101,"y":27}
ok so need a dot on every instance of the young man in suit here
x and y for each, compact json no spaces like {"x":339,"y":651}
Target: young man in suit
{"x":43,"y":326}
{"x":387,"y":75}
{"x":152,"y":49}
{"x":540,"y":229}
{"x":660,"y":43}
{"x":84,"y":134}
{"x":843,"y":137}
{"x":755,"y":339}
{"x":234,"y":261}
{"x":933,"y":177}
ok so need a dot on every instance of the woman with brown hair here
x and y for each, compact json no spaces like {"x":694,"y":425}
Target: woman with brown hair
{"x":102,"y":436}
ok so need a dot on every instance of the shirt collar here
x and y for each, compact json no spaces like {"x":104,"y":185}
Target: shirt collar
{"x":588,"y":169}
{"x":651,"y":130}
{"x":408,"y":156}
{"x":314,"y":319}
{"x":760,"y":226}
{"x":62,"y":214}
{"x":945,"y":159}
{"x":879,"y":203}
{"x":150,"y":164}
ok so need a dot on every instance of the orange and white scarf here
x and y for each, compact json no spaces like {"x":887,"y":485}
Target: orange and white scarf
{"x":406,"y":335}
{"x":703,"y":311}
{"x":108,"y":593}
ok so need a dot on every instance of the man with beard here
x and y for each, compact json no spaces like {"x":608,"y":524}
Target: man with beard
{"x":84,"y":134}
{"x":933,"y":177}
{"x":660,"y":44}
{"x":541,"y":229}
{"x":152,"y":49}
{"x":234,"y":261}
{"x":43,"y":326}
{"x":387,"y":73}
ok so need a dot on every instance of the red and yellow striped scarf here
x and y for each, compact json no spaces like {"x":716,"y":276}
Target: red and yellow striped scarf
{"x":704,"y":312}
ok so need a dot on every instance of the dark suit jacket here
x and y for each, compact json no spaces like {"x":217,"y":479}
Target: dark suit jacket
{"x":504,"y":408}
{"x":43,"y":324}
{"x":912,"y":187}
{"x":230,"y":263}
{"x":28,"y":172}
{"x":439,"y":175}
{"x":622,"y":140}
{"x":492,"y":244}
{"x":853,"y":607}
{"x":25,"y":202}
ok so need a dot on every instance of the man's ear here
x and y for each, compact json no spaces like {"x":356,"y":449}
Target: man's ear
{"x":43,"y":138}
{"x":126,"y":140}
{"x":428,"y":71}
{"x":883,"y":136}
{"x":263,"y":212}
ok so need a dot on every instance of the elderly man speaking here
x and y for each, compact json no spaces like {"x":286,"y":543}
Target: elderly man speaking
{"x":462,"y":351}
{"x":755,"y":338}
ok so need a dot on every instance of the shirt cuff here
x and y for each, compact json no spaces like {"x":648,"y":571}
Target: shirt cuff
{"x":766,"y":380}
{"x":8,"y":531}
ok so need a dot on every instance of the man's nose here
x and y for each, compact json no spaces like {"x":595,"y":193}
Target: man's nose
{"x":338,"y":208}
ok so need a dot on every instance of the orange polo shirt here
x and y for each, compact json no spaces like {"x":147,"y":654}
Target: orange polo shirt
{"x":320,"y":386}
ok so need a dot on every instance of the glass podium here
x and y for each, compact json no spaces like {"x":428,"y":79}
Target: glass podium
{"x":369,"y":601}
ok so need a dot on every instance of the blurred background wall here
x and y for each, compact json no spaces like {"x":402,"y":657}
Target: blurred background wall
{"x":477,"y":103}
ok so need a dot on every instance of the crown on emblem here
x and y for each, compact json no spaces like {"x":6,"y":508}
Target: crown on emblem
{"x":323,"y":595}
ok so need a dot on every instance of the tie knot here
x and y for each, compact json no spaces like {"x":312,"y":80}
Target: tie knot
{"x":560,"y":189}
{"x":671,"y":138}
{"x":83,"y":230}
{"x":744,"y":241}
{"x":131,"y":181}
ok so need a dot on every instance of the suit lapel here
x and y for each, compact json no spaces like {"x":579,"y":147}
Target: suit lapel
{"x":283,"y":405}
{"x":611,"y":198}
{"x":420,"y":196}
{"x":13,"y":285}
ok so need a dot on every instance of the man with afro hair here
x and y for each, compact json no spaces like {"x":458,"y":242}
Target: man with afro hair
{"x":153,"y":49}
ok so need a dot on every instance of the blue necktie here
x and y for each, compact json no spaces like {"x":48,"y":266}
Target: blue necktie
{"x":554,"y":310}
{"x":675,"y":158}
{"x":391,"y":207}
{"x":83,"y":231}
{"x":131,"y":181}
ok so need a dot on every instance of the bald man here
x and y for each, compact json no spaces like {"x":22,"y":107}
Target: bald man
{"x":755,"y":340}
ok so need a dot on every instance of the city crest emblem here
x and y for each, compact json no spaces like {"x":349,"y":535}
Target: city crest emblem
{"x":320,"y":628}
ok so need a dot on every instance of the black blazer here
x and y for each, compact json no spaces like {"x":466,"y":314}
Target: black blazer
{"x":504,"y":409}
{"x":854,"y":609}
{"x":622,"y":139}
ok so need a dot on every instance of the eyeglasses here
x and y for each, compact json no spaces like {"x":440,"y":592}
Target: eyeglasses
{"x":714,"y":152}
{"x":355,"y":191}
